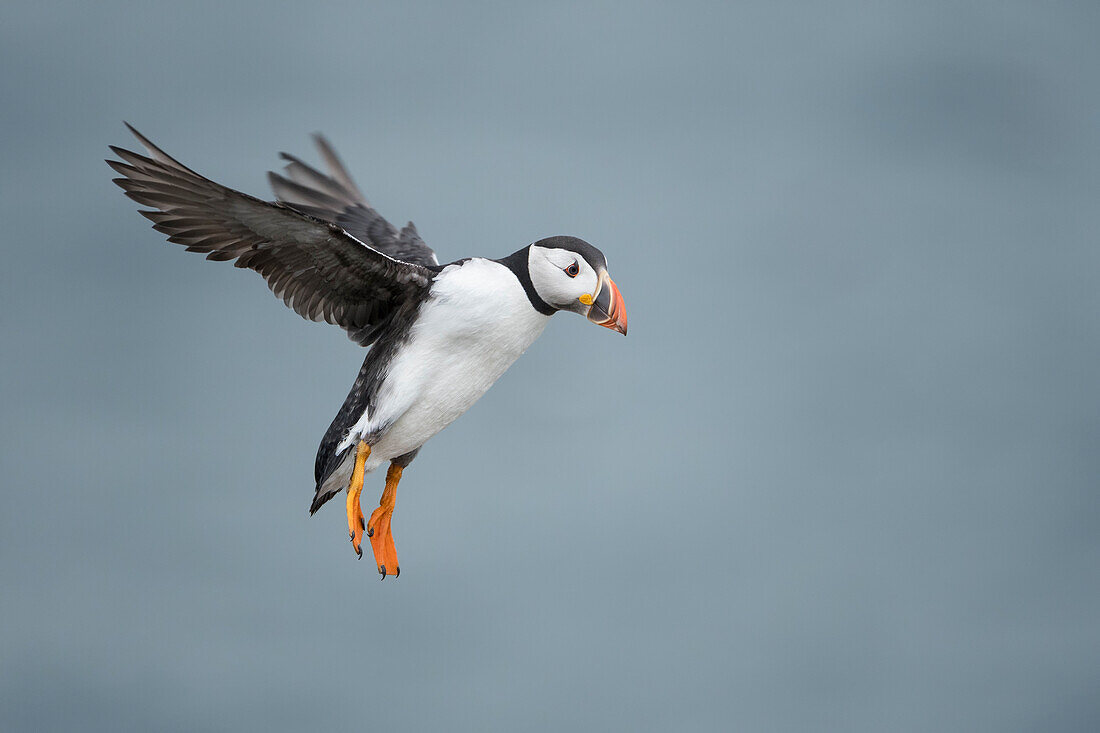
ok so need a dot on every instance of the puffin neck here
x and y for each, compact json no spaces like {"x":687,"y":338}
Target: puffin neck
{"x":517,"y":263}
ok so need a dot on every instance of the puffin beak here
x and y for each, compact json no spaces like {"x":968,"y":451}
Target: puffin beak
{"x":607,"y":308}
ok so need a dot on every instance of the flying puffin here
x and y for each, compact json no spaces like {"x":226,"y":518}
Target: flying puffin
{"x":439,"y":335}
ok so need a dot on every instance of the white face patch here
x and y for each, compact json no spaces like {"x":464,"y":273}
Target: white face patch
{"x":550,"y":276}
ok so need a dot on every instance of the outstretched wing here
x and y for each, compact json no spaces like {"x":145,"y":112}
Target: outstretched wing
{"x":336,"y":198}
{"x":316,"y":267}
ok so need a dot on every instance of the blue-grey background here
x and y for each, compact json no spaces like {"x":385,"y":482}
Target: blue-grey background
{"x":842,"y":475}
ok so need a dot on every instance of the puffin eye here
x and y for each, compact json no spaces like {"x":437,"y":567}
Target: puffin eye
{"x":573,"y":270}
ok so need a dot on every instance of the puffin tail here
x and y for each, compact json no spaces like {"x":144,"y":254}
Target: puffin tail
{"x":319,"y":500}
{"x":334,"y":480}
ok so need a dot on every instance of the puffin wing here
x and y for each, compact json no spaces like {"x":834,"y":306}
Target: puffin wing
{"x":316,"y":267}
{"x":335,"y":198}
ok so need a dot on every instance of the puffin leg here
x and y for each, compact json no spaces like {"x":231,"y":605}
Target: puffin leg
{"x":378,"y":528}
{"x":355,"y":488}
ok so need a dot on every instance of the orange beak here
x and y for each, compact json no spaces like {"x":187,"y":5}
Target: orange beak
{"x":607,"y":308}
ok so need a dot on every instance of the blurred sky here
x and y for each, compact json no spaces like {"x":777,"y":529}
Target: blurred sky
{"x":841,"y":476}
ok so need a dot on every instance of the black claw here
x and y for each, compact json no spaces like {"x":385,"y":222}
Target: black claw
{"x":370,"y":531}
{"x":362,"y":523}
{"x":382,"y":569}
{"x":359,"y":552}
{"x":398,"y":573}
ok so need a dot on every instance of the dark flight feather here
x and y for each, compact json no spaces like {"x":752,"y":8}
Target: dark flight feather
{"x":320,"y":269}
{"x":335,"y":198}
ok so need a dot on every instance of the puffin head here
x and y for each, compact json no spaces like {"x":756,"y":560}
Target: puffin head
{"x":570,"y":274}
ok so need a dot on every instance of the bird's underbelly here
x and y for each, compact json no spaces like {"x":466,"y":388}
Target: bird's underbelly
{"x":451,"y":392}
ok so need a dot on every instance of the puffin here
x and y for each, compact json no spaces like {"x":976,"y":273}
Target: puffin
{"x":438,"y":336}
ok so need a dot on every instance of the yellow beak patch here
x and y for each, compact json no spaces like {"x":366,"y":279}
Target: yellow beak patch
{"x":586,"y":299}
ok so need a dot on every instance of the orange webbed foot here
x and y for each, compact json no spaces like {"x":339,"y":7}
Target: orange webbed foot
{"x":355,"y":533}
{"x":354,"y":509}
{"x":378,"y":528}
{"x":381,"y":542}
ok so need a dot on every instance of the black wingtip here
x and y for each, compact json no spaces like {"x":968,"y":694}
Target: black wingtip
{"x":134,"y":131}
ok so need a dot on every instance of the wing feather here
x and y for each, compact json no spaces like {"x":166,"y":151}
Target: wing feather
{"x":318,"y":269}
{"x":335,"y":198}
